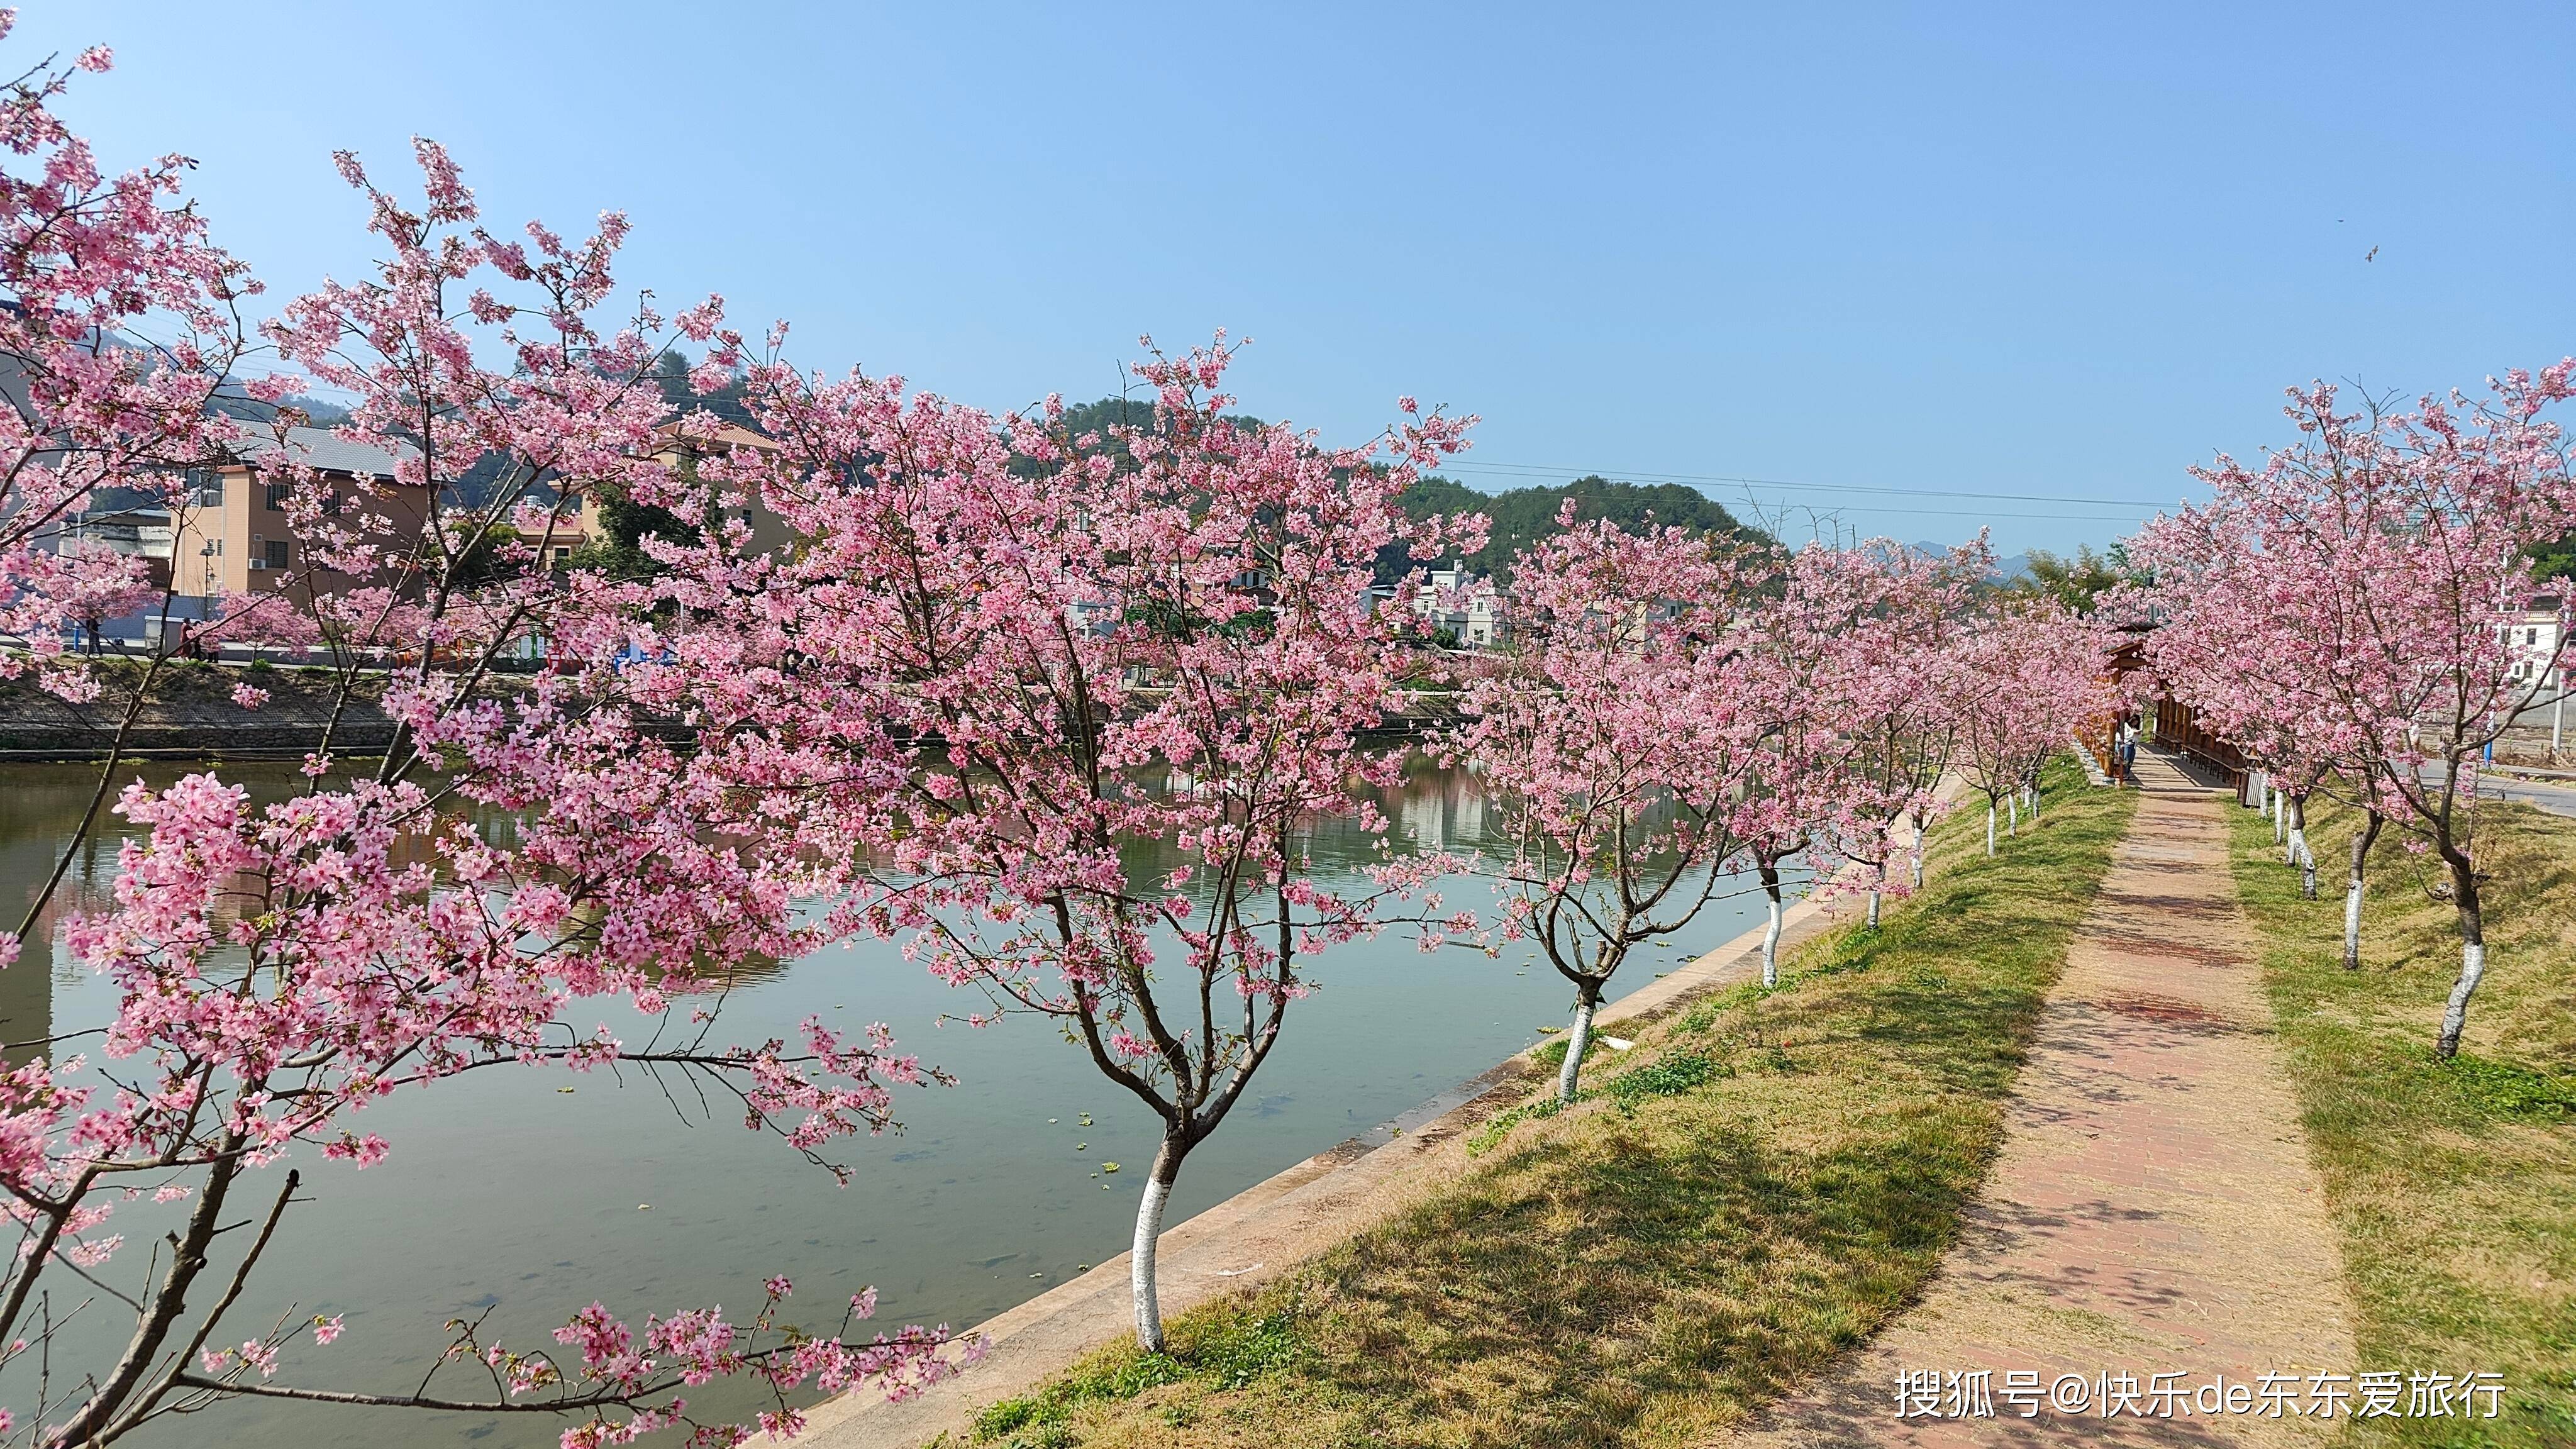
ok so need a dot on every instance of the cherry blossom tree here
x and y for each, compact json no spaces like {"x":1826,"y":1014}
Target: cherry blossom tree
{"x":277,"y":970}
{"x":1616,"y":737}
{"x":1816,"y":646}
{"x":1884,"y":615}
{"x":2356,"y":594}
{"x":1093,"y":652}
{"x":2018,"y":683}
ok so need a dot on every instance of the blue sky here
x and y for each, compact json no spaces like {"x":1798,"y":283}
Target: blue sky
{"x":2053,"y":251}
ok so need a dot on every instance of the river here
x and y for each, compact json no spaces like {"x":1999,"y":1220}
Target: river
{"x":505,"y":1192}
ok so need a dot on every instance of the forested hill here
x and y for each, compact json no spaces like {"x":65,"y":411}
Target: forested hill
{"x":1523,"y":516}
{"x":1519,"y":517}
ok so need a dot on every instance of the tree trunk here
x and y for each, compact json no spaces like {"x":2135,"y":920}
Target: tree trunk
{"x":1990,"y":829}
{"x":1577,"y":1041}
{"x":2352,"y":893}
{"x":2473,"y":958}
{"x":2300,"y":856}
{"x":2012,"y":804}
{"x":1149,"y":1231}
{"x":1771,"y":932}
{"x":168,"y":1303}
{"x":1873,"y":908}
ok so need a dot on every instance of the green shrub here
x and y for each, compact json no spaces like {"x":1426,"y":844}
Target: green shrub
{"x":1670,"y":1077}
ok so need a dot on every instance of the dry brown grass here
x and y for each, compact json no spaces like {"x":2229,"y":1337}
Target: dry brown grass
{"x":2453,"y":1185}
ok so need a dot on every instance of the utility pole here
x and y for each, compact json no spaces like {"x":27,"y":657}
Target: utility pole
{"x":2558,"y":713}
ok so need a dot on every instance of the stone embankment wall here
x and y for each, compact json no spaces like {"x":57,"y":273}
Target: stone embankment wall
{"x":190,"y":711}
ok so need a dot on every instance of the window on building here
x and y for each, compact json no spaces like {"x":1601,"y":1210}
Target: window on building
{"x":276,"y":553}
{"x":277,"y":495}
{"x":209,"y":487}
{"x":331,"y":502}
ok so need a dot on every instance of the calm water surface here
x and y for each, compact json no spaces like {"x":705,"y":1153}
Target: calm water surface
{"x":505,"y":1193}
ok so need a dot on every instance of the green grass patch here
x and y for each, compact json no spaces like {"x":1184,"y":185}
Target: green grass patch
{"x":1675,"y":1073}
{"x":2452,"y":1185}
{"x":1220,"y":1355}
{"x":1500,"y":1126}
{"x":1774,"y":1178}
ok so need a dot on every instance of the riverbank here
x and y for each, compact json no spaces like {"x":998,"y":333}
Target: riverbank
{"x":1762,"y":1180}
{"x":1256,"y":1237}
{"x":191,"y":713}
{"x":2452,"y":1184}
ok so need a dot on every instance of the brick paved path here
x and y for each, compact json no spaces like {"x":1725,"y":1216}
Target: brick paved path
{"x":2153,"y":1209}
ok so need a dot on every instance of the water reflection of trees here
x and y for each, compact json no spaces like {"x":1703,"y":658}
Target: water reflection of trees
{"x":1433,"y":809}
{"x":40,"y":808}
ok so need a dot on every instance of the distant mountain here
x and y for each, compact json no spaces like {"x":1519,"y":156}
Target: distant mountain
{"x":1521,"y":517}
{"x":2008,"y":569}
{"x":318,"y":413}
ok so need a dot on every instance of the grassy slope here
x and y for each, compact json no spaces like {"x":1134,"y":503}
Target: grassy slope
{"x":1766,"y":1181}
{"x":2453,"y":1186}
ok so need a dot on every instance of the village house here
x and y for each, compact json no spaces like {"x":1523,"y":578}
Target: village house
{"x":2534,"y":638}
{"x":232,"y":535}
{"x":1464,"y":605}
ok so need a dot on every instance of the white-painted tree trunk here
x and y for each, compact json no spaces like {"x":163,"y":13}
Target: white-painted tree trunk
{"x":1771,"y":944}
{"x":2361,"y":843}
{"x":1990,"y":827}
{"x":1873,"y":908}
{"x":2455,"y":1015}
{"x":2012,"y":803}
{"x":1577,"y":1041}
{"x":1918,"y":858}
{"x":1140,"y":1258}
{"x":2280,"y":817}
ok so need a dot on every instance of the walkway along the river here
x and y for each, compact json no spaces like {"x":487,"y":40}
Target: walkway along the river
{"x":2153,"y":1210}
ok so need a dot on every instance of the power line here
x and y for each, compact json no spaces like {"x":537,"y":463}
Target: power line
{"x":1542,"y":472}
{"x":1973,"y":513}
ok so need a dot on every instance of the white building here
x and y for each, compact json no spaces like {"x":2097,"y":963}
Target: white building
{"x":1464,"y":605}
{"x":2536,"y":637}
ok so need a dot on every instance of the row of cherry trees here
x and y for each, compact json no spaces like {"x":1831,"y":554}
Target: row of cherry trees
{"x":2355,"y":615}
{"x":1674,"y":710}
{"x":997,"y":657}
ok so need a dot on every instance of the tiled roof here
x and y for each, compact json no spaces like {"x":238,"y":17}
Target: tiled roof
{"x":323,"y":449}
